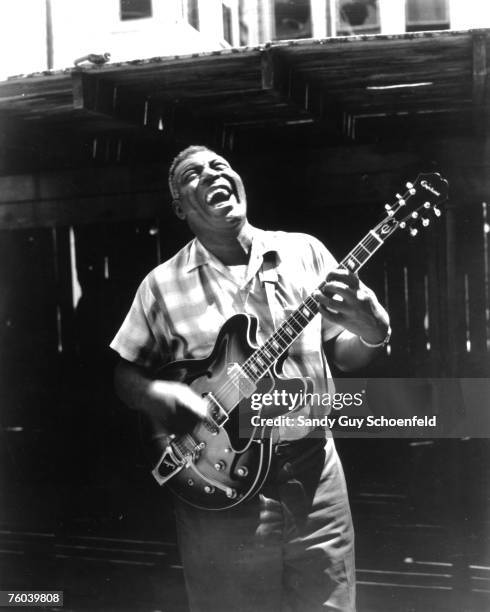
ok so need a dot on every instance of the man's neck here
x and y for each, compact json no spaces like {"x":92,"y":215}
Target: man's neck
{"x":231,"y":247}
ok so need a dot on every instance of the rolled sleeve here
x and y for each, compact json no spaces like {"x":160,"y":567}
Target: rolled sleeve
{"x":141,"y":337}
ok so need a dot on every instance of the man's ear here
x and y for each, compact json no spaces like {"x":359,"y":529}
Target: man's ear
{"x":178,"y":209}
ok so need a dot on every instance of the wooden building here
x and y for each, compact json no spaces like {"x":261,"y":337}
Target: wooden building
{"x":324,"y":132}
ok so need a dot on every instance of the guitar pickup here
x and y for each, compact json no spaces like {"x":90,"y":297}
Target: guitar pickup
{"x":216,"y":413}
{"x":243,"y":383}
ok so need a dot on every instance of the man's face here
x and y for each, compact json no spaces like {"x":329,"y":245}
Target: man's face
{"x":211,"y":193}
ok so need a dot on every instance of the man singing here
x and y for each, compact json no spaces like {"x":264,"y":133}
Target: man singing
{"x":290,"y":547}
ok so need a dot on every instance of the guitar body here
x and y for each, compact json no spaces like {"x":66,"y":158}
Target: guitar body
{"x":220,"y":469}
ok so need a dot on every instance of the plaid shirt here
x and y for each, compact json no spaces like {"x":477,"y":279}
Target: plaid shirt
{"x":182,"y":304}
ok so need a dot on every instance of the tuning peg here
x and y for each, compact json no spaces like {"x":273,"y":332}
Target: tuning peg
{"x":425,"y":222}
{"x":415,"y":214}
{"x":426,"y":204}
{"x":437,"y":212}
{"x":409,"y":185}
{"x":413,"y":231}
{"x":400,"y":199}
{"x":389,"y":210}
{"x":403,"y":224}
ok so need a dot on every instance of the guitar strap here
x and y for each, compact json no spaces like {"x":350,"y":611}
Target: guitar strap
{"x":269,"y":278}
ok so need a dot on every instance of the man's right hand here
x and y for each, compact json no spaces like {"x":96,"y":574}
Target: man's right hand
{"x":181,"y":406}
{"x":176,"y":405}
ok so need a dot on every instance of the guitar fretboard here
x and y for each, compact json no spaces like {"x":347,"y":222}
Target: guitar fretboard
{"x":256,"y":366}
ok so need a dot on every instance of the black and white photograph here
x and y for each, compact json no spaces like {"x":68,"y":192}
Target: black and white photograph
{"x":245,"y":305}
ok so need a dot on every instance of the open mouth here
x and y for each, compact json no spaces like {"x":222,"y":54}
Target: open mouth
{"x":219,"y":194}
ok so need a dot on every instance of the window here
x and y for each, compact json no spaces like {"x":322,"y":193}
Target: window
{"x":135,"y":9}
{"x":227,"y":24}
{"x":292,"y":19}
{"x":427,"y":15}
{"x":193,"y":13}
{"x":357,"y":17}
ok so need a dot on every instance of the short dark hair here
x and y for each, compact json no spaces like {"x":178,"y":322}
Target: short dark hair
{"x":184,"y":154}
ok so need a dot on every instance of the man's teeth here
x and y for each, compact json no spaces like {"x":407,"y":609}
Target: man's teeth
{"x":219,"y":194}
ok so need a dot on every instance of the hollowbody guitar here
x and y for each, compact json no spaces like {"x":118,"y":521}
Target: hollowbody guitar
{"x":212,"y":466}
{"x":220,"y":469}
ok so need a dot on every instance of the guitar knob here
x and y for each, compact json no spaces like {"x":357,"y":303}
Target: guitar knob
{"x":208,"y":489}
{"x":220,"y":465}
{"x":242,"y":471}
{"x":231,"y":493}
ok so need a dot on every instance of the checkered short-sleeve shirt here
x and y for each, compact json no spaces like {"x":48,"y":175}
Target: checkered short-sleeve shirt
{"x":182,"y":304}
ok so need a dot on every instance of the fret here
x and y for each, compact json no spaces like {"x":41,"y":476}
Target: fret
{"x":300,"y":318}
{"x":280,"y":340}
{"x":312,"y":311}
{"x":251,"y":368}
{"x":305,"y":312}
{"x":313,"y":304}
{"x":373,"y":233}
{"x":352,"y":262}
{"x":297,"y":324}
{"x":270,"y":356}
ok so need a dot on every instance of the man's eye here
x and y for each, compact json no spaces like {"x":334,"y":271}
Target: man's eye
{"x":189,"y":176}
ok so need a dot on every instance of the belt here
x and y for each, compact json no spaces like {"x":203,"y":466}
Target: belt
{"x":291,"y":447}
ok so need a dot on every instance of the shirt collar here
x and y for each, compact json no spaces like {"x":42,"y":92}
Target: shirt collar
{"x":262,"y":243}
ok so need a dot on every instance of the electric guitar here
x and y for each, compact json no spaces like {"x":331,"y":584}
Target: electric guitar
{"x":212,"y":467}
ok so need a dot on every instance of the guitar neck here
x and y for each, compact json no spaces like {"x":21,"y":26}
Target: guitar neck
{"x":265,"y":356}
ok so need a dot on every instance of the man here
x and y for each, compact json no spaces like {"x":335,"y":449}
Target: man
{"x":290,"y":547}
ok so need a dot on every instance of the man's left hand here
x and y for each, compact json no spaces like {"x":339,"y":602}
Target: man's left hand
{"x":348,"y":302}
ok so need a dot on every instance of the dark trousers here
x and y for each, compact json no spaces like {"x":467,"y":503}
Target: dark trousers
{"x":291,"y":548}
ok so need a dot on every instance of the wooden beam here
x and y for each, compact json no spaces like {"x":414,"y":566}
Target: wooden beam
{"x":83,"y":182}
{"x":281,"y":74}
{"x":479,"y":83}
{"x":479,"y":67}
{"x":267,"y":69}
{"x":171,"y":121}
{"x":94,"y":93}
{"x":81,"y":210}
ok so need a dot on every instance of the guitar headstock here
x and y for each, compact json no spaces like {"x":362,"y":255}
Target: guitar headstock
{"x":416,"y":206}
